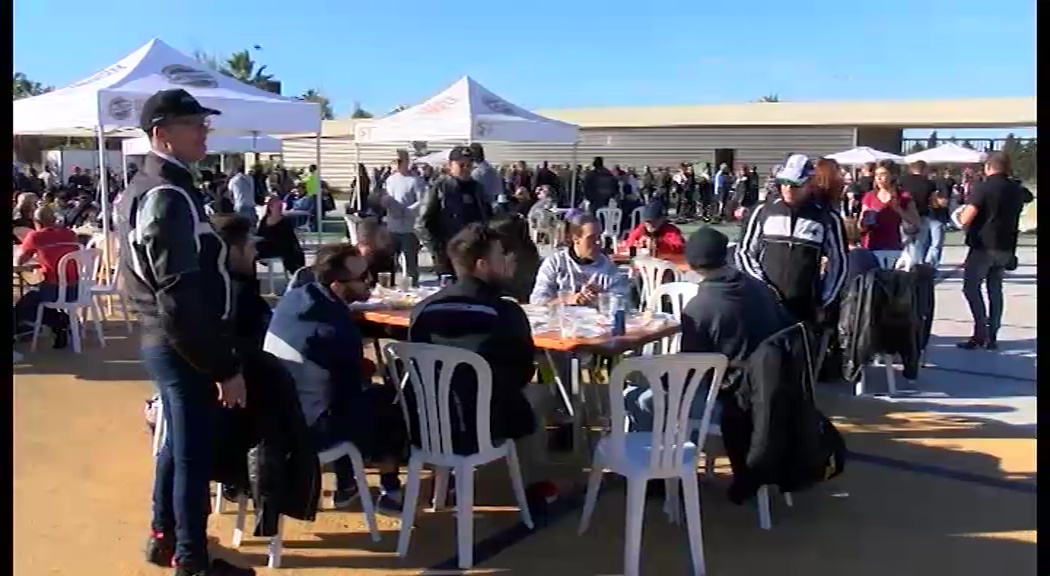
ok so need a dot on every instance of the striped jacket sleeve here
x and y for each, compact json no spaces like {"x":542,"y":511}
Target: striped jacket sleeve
{"x":749,"y":249}
{"x":834,"y":250}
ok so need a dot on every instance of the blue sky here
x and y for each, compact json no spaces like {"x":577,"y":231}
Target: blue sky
{"x":555,"y":54}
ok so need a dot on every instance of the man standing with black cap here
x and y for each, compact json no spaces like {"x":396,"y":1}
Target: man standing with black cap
{"x":175,"y":272}
{"x":450,"y":204}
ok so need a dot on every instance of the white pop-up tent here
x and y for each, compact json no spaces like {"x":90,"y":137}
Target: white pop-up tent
{"x":109,"y":103}
{"x":217,"y":144}
{"x":465,"y":111}
{"x":862,"y":155}
{"x":948,"y":153}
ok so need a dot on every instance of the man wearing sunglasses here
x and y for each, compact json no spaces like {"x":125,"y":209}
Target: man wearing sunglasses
{"x":175,"y":273}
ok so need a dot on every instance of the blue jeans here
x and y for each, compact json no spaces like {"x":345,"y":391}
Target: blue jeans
{"x":184,"y":464}
{"x":928,"y":244}
{"x":25,"y":308}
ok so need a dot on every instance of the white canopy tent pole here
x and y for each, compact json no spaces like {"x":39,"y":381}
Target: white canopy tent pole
{"x":358,"y":198}
{"x":103,"y":176}
{"x":124,"y":167}
{"x":572,"y":172}
{"x":319,"y":200}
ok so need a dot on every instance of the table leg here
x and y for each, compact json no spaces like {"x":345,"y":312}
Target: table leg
{"x":563,"y":391}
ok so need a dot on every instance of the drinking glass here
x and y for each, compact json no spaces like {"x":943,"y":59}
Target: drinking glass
{"x":385,"y":279}
{"x":565,"y":295}
{"x":605,"y":304}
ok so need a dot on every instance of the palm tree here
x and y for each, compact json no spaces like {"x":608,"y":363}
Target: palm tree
{"x":314,"y":95}
{"x":241,"y":66}
{"x":769,"y":98}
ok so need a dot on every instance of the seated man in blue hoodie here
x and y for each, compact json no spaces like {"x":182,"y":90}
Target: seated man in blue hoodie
{"x":731,"y":314}
{"x":318,"y":341}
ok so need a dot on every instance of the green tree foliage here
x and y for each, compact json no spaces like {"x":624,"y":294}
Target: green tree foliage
{"x":314,"y":95}
{"x":931,"y":142}
{"x":769,"y":98}
{"x":23,"y":87}
{"x":360,"y":112}
{"x":1022,"y":157}
{"x":241,"y":66}
{"x":916,"y":147}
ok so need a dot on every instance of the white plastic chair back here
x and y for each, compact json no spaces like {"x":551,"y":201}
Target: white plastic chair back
{"x":684,"y":374}
{"x":653,"y":272}
{"x":429,"y":368}
{"x":731,"y":254}
{"x":611,"y":219}
{"x":679,"y":293}
{"x":636,"y":217}
{"x":893,"y":259}
{"x":351,"y":227}
{"x":87,"y":260}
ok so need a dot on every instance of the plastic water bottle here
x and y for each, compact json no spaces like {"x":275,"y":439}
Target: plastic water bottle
{"x":619,"y":315}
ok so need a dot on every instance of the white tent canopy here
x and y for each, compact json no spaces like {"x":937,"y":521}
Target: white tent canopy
{"x":948,"y":153}
{"x":217,"y":144}
{"x":112,"y":99}
{"x":467,"y":111}
{"x":862,"y":155}
{"x":435,"y":159}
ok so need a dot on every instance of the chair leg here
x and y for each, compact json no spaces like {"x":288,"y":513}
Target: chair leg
{"x":36,"y":327}
{"x":709,"y":466}
{"x":693,"y":520}
{"x":238,"y":527}
{"x":891,"y":375}
{"x":75,"y":330}
{"x":594,"y":485}
{"x":276,"y":545}
{"x":672,"y":503}
{"x":789,"y":499}
{"x":367,"y":504}
{"x":632,"y":538}
{"x":765,"y":521}
{"x":465,"y":516}
{"x":96,"y":317}
{"x":441,"y":474}
{"x":219,"y":505}
{"x":408,"y":513}
{"x":124,"y":311}
{"x":518,"y":483}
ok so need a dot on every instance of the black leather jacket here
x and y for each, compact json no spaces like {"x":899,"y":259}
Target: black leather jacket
{"x":174,"y":267}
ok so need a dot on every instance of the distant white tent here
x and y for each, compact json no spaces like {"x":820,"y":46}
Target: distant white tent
{"x":466,"y":111}
{"x":435,"y":159}
{"x":948,"y":153}
{"x":112,"y":99}
{"x":863,"y":155}
{"x":217,"y":144}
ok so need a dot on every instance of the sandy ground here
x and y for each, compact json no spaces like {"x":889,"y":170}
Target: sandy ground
{"x":82,"y":477}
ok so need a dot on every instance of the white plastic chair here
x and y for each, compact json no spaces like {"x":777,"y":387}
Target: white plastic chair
{"x":271,"y":274}
{"x":666,"y":452}
{"x":276,"y":544}
{"x":352,"y":223}
{"x":635,"y":219}
{"x":679,"y":293}
{"x":611,"y":219}
{"x":86,"y":260}
{"x":110,"y":288}
{"x":653,"y":272}
{"x":888,"y":260}
{"x":429,"y":368}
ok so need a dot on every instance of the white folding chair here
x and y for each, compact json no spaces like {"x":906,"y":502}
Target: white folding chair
{"x":679,"y":294}
{"x":86,"y":261}
{"x":352,"y":223}
{"x":271,"y":274}
{"x":429,"y":368}
{"x":665,"y":453}
{"x":611,"y":219}
{"x":276,"y":544}
{"x":654,"y":272}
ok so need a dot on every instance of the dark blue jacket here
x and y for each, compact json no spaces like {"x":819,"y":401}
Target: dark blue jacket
{"x":314,"y":335}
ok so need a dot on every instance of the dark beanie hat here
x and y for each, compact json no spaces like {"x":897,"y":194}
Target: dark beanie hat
{"x":706,"y":248}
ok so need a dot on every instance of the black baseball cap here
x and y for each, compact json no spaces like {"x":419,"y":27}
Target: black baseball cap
{"x":706,"y":248}
{"x":460,"y":153}
{"x":170,"y":104}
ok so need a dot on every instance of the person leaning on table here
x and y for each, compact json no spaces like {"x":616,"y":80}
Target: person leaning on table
{"x":580,"y":270}
{"x":175,"y":274}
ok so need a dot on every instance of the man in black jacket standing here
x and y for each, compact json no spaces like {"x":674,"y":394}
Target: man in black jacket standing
{"x":786,"y":241}
{"x":990,"y":218}
{"x":175,"y":272}
{"x":450,"y":204}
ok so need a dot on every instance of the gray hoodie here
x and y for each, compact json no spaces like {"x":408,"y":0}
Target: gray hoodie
{"x":489,"y":179}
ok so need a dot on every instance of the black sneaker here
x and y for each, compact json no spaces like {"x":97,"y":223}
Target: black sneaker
{"x":390,"y":503}
{"x":218,"y":568}
{"x":344,"y":498}
{"x":61,"y":339}
{"x":972,"y":344}
{"x":160,"y":549}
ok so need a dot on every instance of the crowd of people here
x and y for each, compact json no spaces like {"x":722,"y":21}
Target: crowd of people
{"x":234,"y":375}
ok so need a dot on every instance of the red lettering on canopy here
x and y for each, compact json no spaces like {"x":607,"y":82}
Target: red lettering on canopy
{"x":438,"y":105}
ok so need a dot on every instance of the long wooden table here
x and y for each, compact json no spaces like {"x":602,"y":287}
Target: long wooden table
{"x":601,"y":345}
